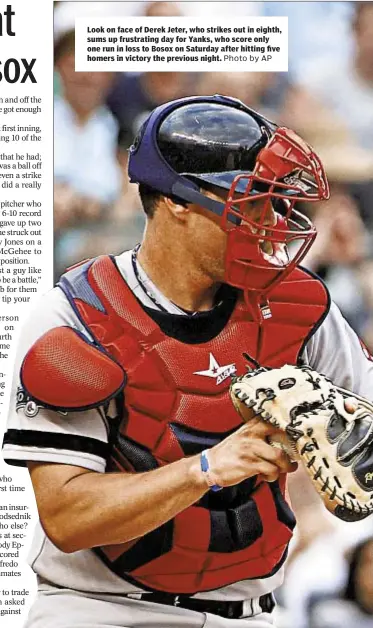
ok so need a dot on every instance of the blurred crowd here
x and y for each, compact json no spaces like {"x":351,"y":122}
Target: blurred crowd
{"x":327,"y":96}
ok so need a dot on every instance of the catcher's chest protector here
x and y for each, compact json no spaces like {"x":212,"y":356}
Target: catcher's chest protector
{"x":177,"y":404}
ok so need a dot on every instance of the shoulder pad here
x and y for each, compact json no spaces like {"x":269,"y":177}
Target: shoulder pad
{"x":64,"y":371}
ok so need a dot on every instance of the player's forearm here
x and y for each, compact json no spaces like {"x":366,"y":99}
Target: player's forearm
{"x":94,"y":509}
{"x":81,"y":509}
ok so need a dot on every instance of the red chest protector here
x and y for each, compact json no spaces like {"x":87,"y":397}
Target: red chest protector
{"x":177,"y":404}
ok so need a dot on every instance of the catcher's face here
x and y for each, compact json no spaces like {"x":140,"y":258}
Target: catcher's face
{"x":210,"y":241}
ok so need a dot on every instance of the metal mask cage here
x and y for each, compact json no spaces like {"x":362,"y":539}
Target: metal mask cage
{"x":287,"y":171}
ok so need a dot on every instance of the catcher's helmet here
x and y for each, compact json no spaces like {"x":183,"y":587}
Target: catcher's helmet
{"x":187,"y":145}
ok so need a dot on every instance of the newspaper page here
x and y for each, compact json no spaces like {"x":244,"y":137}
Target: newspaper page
{"x":26,"y":253}
{"x":79,"y":83}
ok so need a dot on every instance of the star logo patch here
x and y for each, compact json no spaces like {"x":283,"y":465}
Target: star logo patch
{"x":220,"y":373}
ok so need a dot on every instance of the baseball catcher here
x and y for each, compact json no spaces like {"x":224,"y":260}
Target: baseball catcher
{"x":123,"y":394}
{"x":325,"y":427}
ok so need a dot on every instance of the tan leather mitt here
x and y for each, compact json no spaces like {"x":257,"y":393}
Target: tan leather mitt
{"x":335,"y":446}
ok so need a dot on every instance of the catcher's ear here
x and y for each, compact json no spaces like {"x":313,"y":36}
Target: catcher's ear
{"x":178,"y":209}
{"x":63,"y":371}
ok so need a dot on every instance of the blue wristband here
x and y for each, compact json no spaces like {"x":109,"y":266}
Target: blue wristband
{"x":205,"y":468}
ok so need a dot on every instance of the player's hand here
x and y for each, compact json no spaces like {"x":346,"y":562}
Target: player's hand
{"x":246,"y":453}
{"x":351,"y":404}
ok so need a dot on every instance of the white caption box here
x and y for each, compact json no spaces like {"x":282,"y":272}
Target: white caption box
{"x":188,"y":44}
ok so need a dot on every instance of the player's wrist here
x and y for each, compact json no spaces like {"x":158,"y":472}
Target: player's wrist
{"x":196,"y":475}
{"x":208,"y":472}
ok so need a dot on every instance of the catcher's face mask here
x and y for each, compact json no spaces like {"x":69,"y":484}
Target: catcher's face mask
{"x":265,"y":245}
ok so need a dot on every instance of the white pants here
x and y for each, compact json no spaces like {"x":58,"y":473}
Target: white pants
{"x":64,"y":608}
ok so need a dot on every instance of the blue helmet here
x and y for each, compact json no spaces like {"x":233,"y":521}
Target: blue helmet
{"x":196,"y":140}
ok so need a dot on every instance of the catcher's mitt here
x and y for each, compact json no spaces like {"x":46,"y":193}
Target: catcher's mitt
{"x":335,"y":446}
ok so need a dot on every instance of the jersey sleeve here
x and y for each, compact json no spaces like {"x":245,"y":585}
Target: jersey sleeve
{"x":38,"y":434}
{"x":336,"y":351}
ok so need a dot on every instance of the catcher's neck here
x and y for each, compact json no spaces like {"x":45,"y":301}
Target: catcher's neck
{"x":176,"y":275}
